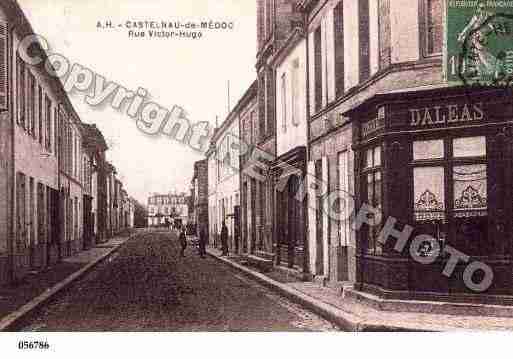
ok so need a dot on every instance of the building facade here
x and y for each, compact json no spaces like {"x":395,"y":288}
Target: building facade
{"x":224,"y":174}
{"x":199,"y":198}
{"x":46,"y":174}
{"x":167,"y":209}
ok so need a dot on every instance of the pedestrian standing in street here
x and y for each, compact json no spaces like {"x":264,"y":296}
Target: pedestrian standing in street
{"x":202,"y":244}
{"x":224,"y":239}
{"x":183,"y":241}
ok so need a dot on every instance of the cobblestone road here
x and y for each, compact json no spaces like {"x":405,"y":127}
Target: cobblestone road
{"x":145,"y":286}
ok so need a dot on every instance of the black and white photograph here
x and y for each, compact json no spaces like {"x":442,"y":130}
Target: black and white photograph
{"x":254,"y":170}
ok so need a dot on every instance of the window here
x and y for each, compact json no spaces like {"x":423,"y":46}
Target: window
{"x":425,"y":150}
{"x":469,"y":147}
{"x":40,"y":114}
{"x":374,"y":192}
{"x":254,"y":127}
{"x":364,"y":36}
{"x":4,"y":56}
{"x":270,"y":99}
{"x":295,"y":93}
{"x":318,"y":68}
{"x":429,"y":193}
{"x":284,"y":102}
{"x":462,"y":208}
{"x":338,"y":24}
{"x":21,"y":89}
{"x":31,"y":105}
{"x":434,"y":29}
{"x":48,"y":123}
{"x":343,"y":205}
{"x":384,"y":30}
{"x":32,"y":212}
{"x":41,"y":209}
{"x":21,"y":230}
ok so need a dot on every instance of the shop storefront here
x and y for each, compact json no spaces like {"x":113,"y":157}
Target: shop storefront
{"x":439,"y":161}
{"x":288,"y":173}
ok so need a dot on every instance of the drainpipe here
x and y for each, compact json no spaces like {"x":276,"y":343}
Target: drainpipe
{"x":12,"y":222}
{"x":306,"y":256}
{"x":10,"y":242}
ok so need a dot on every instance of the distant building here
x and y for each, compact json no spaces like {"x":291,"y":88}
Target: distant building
{"x":199,"y":185}
{"x":167,"y":209}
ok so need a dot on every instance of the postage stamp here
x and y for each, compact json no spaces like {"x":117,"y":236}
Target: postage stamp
{"x":480,"y":42}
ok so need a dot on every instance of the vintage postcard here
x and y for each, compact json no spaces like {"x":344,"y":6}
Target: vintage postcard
{"x":254,"y":166}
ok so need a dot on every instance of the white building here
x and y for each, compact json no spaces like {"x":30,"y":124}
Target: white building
{"x":167,"y":209}
{"x":224,"y":180}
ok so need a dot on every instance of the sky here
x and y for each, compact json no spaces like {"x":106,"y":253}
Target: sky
{"x":193,"y":74}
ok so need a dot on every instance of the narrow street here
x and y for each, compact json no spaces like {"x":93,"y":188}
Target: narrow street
{"x":146,"y":286}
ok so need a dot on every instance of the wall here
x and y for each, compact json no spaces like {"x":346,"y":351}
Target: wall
{"x":291,"y":132}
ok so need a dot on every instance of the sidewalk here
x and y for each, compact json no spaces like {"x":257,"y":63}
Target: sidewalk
{"x":20,"y":300}
{"x":352,"y":315}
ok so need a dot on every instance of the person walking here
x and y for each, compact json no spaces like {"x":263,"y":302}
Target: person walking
{"x":183,"y":241}
{"x":202,"y":244}
{"x":224,"y":239}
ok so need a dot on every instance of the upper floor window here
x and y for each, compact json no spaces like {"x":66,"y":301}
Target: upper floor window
{"x":48,"y":117}
{"x":40,"y":113}
{"x":434,"y":27}
{"x":295,"y":92}
{"x":284,"y":102}
{"x":20,"y":87}
{"x":384,"y":34}
{"x":31,"y":104}
{"x":317,"y":58}
{"x":4,"y":29}
{"x":338,"y":25}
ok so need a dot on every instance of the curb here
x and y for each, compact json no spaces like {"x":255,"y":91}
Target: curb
{"x":344,"y":320}
{"x":8,"y":322}
{"x":329,"y":312}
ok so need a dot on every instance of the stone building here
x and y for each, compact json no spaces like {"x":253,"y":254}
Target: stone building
{"x":223,"y":180}
{"x":275,"y":20}
{"x":200,"y":194}
{"x":167,"y":209}
{"x":30,"y":102}
{"x":95,"y":148}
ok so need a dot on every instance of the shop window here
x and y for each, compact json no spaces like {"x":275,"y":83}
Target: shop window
{"x":429,"y":194}
{"x":470,"y":191}
{"x":469,"y":147}
{"x":461,"y":208}
{"x":373,"y":186}
{"x":427,"y":150}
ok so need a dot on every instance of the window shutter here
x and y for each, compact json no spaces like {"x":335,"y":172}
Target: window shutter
{"x":338,"y":24}
{"x":385,"y":55}
{"x":364,"y":39}
{"x":4,"y":32}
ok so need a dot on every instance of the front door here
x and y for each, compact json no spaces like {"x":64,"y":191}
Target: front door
{"x":237,"y":227}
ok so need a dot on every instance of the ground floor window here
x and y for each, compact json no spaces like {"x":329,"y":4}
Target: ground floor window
{"x":21,"y":231}
{"x":372,"y":186}
{"x":450,"y":191}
